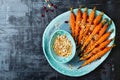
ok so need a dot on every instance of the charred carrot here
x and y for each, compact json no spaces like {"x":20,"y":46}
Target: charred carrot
{"x":98,"y":18}
{"x":96,"y":29}
{"x":97,"y":49}
{"x":78,"y":20}
{"x":72,"y":21}
{"x":96,"y":56}
{"x":92,"y":15}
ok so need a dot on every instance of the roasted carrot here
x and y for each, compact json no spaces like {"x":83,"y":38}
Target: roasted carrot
{"x":92,"y":15}
{"x":90,"y":20}
{"x":96,"y":21}
{"x":86,"y":42}
{"x":84,"y":19}
{"x":96,"y":29}
{"x":98,"y":18}
{"x":96,"y":56}
{"x":72,"y":21}
{"x":86,"y":31}
{"x":84,"y":38}
{"x":103,"y":38}
{"x":92,"y":42}
{"x":78,"y":20}
{"x":80,"y":33}
{"x":97,"y":49}
{"x":84,"y":16}
{"x":89,"y":44}
{"x":102,"y":31}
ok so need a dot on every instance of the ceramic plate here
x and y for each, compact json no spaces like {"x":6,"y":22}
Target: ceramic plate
{"x":70,"y":69}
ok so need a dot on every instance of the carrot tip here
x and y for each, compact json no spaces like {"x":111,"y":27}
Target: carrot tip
{"x":105,"y":20}
{"x":71,"y":9}
{"x":113,"y":45}
{"x":80,"y":6}
{"x":81,"y":50}
{"x":113,"y":39}
{"x":79,"y":67}
{"x":111,"y":30}
{"x":110,"y":22}
{"x":81,"y":58}
{"x":86,"y":9}
{"x":81,"y":54}
{"x":101,"y":13}
{"x":94,"y":8}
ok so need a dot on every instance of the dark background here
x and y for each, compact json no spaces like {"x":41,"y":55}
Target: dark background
{"x":22,"y":23}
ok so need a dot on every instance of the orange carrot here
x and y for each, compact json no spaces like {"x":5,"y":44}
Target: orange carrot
{"x":102,"y":31}
{"x":72,"y":21}
{"x":86,"y":30}
{"x":80,"y":34}
{"x":98,"y":18}
{"x":84,"y":16}
{"x":84,"y":38}
{"x":92,"y":15}
{"x":89,"y":44}
{"x":78,"y":20}
{"x":84,"y":19}
{"x":86,"y":42}
{"x":97,"y":49}
{"x":96,"y":29}
{"x":96,"y":56}
{"x":103,"y":38}
{"x":90,"y":20}
{"x":92,"y":42}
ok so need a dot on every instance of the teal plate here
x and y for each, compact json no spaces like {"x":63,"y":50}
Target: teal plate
{"x":70,"y":68}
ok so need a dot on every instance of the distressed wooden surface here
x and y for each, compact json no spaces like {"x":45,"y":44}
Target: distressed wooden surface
{"x":22,"y":23}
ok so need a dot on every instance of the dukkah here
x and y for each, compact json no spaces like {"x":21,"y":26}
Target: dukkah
{"x":62,"y":46}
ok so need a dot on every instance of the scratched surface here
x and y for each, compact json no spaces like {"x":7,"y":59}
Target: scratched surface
{"x":22,"y":23}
